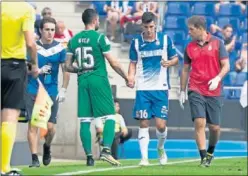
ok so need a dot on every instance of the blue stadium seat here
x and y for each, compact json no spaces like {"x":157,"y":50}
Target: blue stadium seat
{"x":186,"y":42}
{"x":210,"y":20}
{"x":227,"y":93}
{"x":241,"y":78}
{"x":244,"y":37}
{"x":234,"y":94}
{"x":180,"y":52}
{"x":244,"y":25}
{"x":192,"y":3}
{"x":227,"y":80}
{"x":235,"y":22}
{"x":203,"y":8}
{"x":133,"y":5}
{"x":177,"y":36}
{"x":175,"y":22}
{"x":233,"y":56}
{"x":180,"y":48}
{"x":98,"y":5}
{"x":238,"y":93}
{"x":178,"y":8}
{"x":230,"y":10}
{"x":246,"y":12}
{"x":238,"y":46}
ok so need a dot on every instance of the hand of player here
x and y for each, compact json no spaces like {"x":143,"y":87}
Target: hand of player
{"x":35,"y":70}
{"x":131,"y":82}
{"x":213,"y":83}
{"x":165,"y":63}
{"x":61,"y":96}
{"x":45,"y":69}
{"x":182,"y":99}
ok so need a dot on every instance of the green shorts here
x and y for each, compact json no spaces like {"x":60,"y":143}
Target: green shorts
{"x":95,"y":97}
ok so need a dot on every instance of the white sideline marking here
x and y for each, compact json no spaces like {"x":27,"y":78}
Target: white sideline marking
{"x":136,"y":166}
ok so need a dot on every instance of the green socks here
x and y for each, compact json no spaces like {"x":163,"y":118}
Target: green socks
{"x":108,"y":133}
{"x":85,"y":136}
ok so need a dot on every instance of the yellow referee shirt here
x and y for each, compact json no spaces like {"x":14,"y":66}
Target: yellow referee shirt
{"x":16,"y":17}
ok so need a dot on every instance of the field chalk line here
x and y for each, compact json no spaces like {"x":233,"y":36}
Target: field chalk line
{"x":136,"y":166}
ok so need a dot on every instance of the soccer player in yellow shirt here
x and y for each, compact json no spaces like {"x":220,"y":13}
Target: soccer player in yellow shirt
{"x":17,"y":38}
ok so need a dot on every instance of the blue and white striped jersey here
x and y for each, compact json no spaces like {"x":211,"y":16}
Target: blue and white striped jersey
{"x":150,"y":75}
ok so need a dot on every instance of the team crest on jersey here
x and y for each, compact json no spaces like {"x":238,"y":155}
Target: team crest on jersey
{"x":210,"y":48}
{"x":164,"y":110}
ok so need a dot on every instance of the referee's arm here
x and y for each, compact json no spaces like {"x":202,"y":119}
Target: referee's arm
{"x":28,"y":31}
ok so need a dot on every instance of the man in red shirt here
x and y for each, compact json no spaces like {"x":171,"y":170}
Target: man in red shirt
{"x":207,"y":61}
{"x":62,"y":34}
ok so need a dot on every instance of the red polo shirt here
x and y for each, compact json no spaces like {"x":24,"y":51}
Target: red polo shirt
{"x":205,"y":64}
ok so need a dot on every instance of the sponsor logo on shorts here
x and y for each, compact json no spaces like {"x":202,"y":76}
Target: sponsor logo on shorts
{"x":164,"y":110}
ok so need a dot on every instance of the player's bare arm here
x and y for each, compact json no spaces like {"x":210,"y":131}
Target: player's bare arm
{"x":183,"y":83}
{"x":172,"y":62}
{"x":69,"y":64}
{"x":115,"y":64}
{"x":32,"y":50}
{"x":184,"y":76}
{"x":131,"y":74}
{"x":66,"y":76}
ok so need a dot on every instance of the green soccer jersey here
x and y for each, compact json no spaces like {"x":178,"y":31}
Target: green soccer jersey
{"x":88,"y":48}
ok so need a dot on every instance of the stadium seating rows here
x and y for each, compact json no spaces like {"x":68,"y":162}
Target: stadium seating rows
{"x":176,"y":27}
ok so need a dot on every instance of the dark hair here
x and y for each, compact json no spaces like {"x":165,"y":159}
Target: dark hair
{"x":227,"y":26}
{"x":44,"y":9}
{"x":197,"y":22}
{"x":47,"y":20}
{"x":148,"y":17}
{"x":88,"y":16}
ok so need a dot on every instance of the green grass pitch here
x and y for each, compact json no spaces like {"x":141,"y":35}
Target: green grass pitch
{"x":228,"y":166}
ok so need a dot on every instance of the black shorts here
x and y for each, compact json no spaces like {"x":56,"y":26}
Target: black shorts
{"x":13,"y":83}
{"x":205,"y":107}
{"x":30,"y":100}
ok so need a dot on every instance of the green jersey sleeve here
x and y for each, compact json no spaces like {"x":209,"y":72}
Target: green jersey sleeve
{"x":104,"y":43}
{"x":70,"y":49}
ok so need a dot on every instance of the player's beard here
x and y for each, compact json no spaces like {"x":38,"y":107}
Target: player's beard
{"x":96,"y":28}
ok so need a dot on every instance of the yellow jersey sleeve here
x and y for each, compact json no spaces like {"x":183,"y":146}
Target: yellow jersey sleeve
{"x":28,"y":20}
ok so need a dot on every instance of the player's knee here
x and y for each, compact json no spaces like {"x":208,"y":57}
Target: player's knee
{"x":144,"y":123}
{"x":32,"y":129}
{"x":161,"y":128}
{"x":51,"y":130}
{"x":199,"y":123}
{"x":214,"y":128}
{"x":160,"y":124}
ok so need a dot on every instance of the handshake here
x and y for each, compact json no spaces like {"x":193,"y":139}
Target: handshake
{"x":130,"y":82}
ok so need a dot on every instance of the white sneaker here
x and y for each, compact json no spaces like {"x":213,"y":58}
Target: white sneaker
{"x":162,"y":156}
{"x":144,"y":162}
